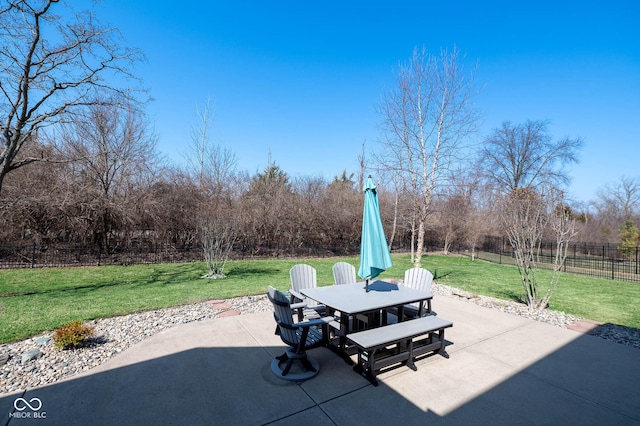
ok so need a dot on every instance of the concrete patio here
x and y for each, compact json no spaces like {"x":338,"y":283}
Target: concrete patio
{"x":503,"y":369}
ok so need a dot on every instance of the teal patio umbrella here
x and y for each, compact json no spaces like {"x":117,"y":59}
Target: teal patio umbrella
{"x":374,"y":251}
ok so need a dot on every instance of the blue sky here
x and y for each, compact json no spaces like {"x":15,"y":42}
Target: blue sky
{"x":302,"y":80}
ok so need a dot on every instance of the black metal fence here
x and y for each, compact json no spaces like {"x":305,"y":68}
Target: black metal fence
{"x":37,"y":255}
{"x":603,"y":261}
{"x":595,"y":260}
{"x":61,"y":255}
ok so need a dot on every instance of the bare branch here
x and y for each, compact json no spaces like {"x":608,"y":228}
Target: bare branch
{"x":526,"y":214}
{"x":45,"y":81}
{"x":525,"y":156}
{"x":426,"y":117}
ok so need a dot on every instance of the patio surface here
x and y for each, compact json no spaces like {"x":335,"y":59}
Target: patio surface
{"x":503,"y":369}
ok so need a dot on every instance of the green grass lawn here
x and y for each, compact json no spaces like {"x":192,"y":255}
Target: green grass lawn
{"x":35,"y":300}
{"x":596,"y":299}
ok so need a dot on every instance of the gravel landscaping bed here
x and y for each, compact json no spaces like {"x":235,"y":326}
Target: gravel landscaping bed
{"x":37,"y":361}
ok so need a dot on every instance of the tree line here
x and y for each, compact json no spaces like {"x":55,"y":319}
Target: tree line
{"x":132,"y":197}
{"x":78,"y":161}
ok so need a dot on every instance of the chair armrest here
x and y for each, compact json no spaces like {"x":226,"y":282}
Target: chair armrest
{"x":296,"y":294}
{"x":311,"y":323}
{"x":298,"y":305}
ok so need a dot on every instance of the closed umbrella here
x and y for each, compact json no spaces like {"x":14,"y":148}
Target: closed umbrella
{"x":374,"y":251}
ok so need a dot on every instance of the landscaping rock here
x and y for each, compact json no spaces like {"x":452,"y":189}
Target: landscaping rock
{"x":4,"y":358}
{"x":31,"y":355}
{"x":43,"y":340}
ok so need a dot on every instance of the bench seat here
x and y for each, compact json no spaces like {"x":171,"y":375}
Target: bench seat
{"x":397,"y":343}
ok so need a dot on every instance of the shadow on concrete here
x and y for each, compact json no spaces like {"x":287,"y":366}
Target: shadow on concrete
{"x":587,"y":381}
{"x":616,"y":333}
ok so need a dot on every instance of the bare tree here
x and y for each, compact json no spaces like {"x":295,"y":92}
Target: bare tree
{"x":266,"y":203}
{"x":526,"y":167}
{"x":336,"y":218}
{"x":456,"y":211}
{"x":218,"y":237}
{"x":563,"y":225}
{"x":453,"y":219}
{"x":526,"y":156}
{"x":36,"y":203}
{"x":175,"y":198}
{"x":616,"y":203}
{"x":396,"y":181}
{"x":211,"y":167}
{"x":113,"y":153}
{"x":426,"y":117}
{"x":51,"y":67}
{"x":526,"y":214}
{"x":482,"y":219}
{"x":211,"y":164}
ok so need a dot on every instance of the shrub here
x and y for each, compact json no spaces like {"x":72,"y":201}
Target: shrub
{"x":72,"y":335}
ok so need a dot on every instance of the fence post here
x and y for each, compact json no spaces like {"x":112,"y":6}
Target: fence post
{"x":33,"y":255}
{"x":636,"y":260}
{"x":613,"y":273}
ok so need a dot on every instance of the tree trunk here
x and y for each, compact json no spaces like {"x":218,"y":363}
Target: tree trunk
{"x":395,"y":220}
{"x":417,"y":262}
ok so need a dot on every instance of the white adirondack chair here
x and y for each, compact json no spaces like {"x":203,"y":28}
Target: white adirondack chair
{"x":344,"y":273}
{"x":304,"y":276}
{"x":419,"y":279}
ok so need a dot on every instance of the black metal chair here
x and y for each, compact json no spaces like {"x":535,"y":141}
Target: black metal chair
{"x":300,"y":336}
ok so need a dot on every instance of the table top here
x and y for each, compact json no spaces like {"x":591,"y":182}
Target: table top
{"x":353,"y":299}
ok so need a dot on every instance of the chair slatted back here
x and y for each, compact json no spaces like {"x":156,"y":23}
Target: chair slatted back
{"x":344,"y":273}
{"x":303,"y":276}
{"x":418,"y":278}
{"x":283,"y":315}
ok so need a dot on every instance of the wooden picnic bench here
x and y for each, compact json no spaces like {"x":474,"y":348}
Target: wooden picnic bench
{"x":397,"y":343}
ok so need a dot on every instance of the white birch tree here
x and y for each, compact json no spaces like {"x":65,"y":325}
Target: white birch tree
{"x":426,"y":118}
